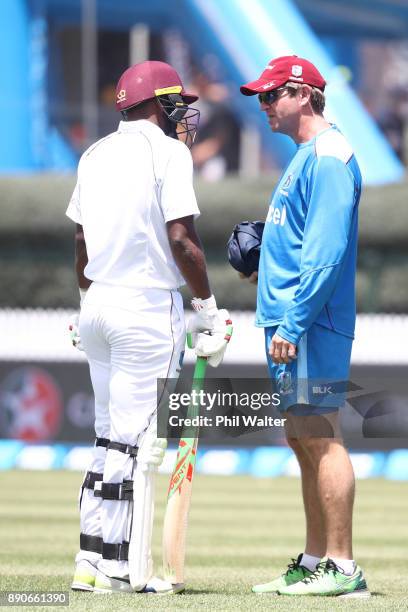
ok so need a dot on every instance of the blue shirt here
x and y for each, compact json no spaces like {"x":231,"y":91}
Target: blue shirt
{"x":309,"y":246}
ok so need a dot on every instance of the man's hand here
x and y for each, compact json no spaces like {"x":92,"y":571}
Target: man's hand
{"x":151,"y":453}
{"x":74,"y":324}
{"x":281,"y":350}
{"x":74,"y":332}
{"x":151,"y":449}
{"x":253,"y":279}
{"x":209,"y":330}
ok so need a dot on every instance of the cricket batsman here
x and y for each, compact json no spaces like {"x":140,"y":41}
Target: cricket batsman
{"x":136,"y":244}
{"x":306,"y":305}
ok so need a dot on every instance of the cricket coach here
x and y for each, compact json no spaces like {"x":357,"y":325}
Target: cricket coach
{"x":136,"y":244}
{"x":306,"y":304}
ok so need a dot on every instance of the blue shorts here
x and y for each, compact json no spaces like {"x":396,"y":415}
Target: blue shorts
{"x":316,"y":382}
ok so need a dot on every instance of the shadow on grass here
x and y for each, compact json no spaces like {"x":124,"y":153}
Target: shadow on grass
{"x":188,"y":592}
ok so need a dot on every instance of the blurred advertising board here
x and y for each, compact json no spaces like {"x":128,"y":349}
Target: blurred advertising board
{"x":53,"y":402}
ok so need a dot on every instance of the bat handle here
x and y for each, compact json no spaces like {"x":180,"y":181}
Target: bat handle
{"x":200,"y":368}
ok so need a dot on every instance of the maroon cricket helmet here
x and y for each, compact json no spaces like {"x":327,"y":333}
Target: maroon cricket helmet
{"x":149,"y":80}
{"x":282,"y":70}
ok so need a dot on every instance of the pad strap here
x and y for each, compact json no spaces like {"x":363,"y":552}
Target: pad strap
{"x":90,"y":543}
{"x":117,"y":552}
{"x":102,"y":442}
{"x":90,"y":479}
{"x":123,"y":448}
{"x":118,"y":490}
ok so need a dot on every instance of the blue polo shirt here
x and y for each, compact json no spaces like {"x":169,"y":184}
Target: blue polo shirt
{"x":309,"y":247}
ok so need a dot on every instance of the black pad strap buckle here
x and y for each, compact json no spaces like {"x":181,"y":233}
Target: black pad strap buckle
{"x":102,"y":442}
{"x":117,"y":552}
{"x":115,"y":490}
{"x":128,"y":449}
{"x":90,"y":479}
{"x":90,"y":543}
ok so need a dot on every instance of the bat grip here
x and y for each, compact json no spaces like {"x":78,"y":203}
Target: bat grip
{"x":200,"y":368}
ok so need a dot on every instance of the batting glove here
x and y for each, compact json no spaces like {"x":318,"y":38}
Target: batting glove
{"x":209,"y":330}
{"x":151,"y":451}
{"x":74,"y":332}
{"x":74,"y":324}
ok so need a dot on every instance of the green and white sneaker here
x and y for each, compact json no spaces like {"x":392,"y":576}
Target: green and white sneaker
{"x":293,"y":574}
{"x":84,"y":577}
{"x":328,"y":580}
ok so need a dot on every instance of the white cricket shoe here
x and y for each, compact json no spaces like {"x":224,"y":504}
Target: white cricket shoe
{"x":84,"y":577}
{"x":155,"y":586}
{"x":106,"y":584}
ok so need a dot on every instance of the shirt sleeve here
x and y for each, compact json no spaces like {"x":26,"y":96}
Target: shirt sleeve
{"x":74,"y":209}
{"x":331,"y":200}
{"x":177,"y":193}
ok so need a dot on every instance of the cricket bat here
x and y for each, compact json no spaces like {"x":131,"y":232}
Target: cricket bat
{"x":179,"y":494}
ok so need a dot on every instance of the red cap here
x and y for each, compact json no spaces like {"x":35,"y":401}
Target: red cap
{"x":147,"y":80}
{"x":283,"y":69}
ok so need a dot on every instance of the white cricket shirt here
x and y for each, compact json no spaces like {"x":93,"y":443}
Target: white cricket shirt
{"x":129,"y":185}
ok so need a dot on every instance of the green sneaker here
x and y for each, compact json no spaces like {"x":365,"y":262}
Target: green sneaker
{"x":293,"y":574}
{"x":329,"y":581}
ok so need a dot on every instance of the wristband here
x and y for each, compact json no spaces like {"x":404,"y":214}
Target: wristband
{"x":82,"y":294}
{"x":208,"y":304}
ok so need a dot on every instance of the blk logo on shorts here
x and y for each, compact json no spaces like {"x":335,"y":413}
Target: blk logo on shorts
{"x":322,"y":390}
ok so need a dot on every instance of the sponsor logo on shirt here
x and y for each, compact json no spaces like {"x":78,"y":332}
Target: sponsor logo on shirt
{"x":276,"y":215}
{"x":286,"y":184}
{"x":288,"y":181}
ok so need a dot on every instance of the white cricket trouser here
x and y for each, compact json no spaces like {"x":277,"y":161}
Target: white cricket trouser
{"x":131,"y":338}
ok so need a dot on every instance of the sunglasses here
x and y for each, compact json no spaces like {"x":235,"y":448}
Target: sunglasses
{"x":269,"y":97}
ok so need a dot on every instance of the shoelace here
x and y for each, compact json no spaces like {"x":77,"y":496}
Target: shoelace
{"x":295,"y":565}
{"x":322,"y":568}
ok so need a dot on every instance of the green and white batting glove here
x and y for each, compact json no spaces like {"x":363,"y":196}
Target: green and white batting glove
{"x":209,"y":330}
{"x":74,"y":324}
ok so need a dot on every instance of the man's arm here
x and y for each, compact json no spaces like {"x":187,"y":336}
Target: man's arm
{"x":189,"y":255}
{"x":81,"y":258}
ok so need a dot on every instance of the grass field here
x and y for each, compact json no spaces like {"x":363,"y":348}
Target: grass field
{"x":242,"y":531}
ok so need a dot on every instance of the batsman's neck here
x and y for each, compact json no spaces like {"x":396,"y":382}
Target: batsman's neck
{"x":308,"y":127}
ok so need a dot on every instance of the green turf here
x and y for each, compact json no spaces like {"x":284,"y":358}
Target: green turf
{"x":242,"y":531}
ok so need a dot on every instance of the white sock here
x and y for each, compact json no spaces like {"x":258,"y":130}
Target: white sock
{"x":348,"y":566}
{"x":309,"y":561}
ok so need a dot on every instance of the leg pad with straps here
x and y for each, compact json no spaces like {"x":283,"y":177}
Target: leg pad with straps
{"x":128,"y":449}
{"x":90,"y":479}
{"x":117,"y":552}
{"x":90,"y":543}
{"x":102,"y":442}
{"x":118,"y":490}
